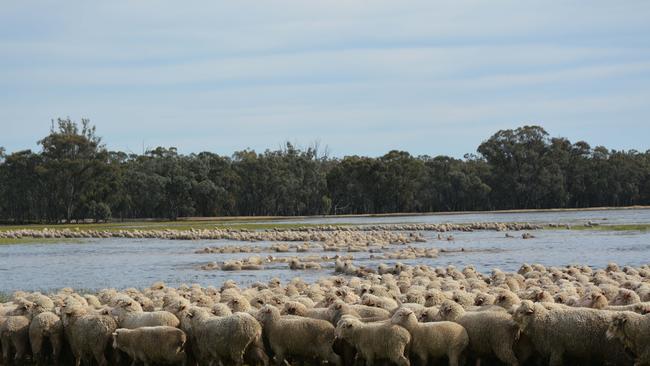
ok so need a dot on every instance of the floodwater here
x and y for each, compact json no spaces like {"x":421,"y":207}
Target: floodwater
{"x":99,"y":263}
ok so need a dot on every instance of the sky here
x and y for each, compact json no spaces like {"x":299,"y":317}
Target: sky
{"x":359,"y":77}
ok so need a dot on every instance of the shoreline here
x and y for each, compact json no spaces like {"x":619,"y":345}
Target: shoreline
{"x":406,"y":214}
{"x":252,"y":219}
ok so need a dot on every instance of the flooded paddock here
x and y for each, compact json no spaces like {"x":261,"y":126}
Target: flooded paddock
{"x":121,"y":263}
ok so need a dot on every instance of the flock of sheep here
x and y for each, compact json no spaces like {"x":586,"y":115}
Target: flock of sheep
{"x":314,"y":233}
{"x":394,"y":315}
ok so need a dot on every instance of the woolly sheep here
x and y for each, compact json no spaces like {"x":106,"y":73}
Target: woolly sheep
{"x":88,"y":334}
{"x":490,"y":332}
{"x":577,"y":333}
{"x":380,"y":302}
{"x":633,"y":331}
{"x":296,"y":308}
{"x":46,"y":325}
{"x":433,"y":340}
{"x":375,"y":341}
{"x":149,"y":345}
{"x":14,"y":334}
{"x":293,"y":336}
{"x":223,"y":339}
{"x":129,"y":315}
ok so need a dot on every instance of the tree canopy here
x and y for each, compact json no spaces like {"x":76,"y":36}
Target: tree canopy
{"x":74,"y":177}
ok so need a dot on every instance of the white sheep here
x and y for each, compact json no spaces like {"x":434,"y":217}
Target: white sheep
{"x":433,"y":340}
{"x":299,"y":337}
{"x":149,"y":345}
{"x":375,"y":341}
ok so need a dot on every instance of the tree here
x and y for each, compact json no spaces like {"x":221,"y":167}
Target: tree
{"x":74,"y":177}
{"x":73,"y":161}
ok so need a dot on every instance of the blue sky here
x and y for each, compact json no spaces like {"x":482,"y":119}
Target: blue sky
{"x":362,"y":77}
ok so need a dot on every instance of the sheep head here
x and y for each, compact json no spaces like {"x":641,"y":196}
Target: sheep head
{"x":524,"y":313}
{"x":616,"y":328}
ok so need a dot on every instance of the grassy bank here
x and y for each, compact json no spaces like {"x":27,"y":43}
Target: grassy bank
{"x":625,"y":227}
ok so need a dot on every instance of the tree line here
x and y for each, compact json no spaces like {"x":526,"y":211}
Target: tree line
{"x":75,"y":177}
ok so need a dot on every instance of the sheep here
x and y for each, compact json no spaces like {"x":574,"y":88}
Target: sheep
{"x":339,"y":308}
{"x":296,"y":308}
{"x":639,"y":308}
{"x":14,"y":334}
{"x":625,"y":297}
{"x":577,"y":333}
{"x":490,"y":332}
{"x":129,"y":315}
{"x":221,"y":339}
{"x":483,"y":298}
{"x":46,"y":325}
{"x":380,"y":302}
{"x":14,"y":328}
{"x":295,"y":264}
{"x":221,"y":309}
{"x":301,"y":337}
{"x":507,"y":299}
{"x":375,"y":340}
{"x":633,"y":331}
{"x":433,"y":340}
{"x":87,"y":334}
{"x":161,"y":344}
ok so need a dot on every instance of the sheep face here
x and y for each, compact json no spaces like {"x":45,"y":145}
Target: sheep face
{"x":344,"y":328}
{"x":115,"y":335}
{"x":524,"y":314}
{"x":267,"y":313}
{"x":404,"y":317}
{"x":616,"y":327}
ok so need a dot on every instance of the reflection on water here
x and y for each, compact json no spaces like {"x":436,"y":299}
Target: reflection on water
{"x":120,"y":263}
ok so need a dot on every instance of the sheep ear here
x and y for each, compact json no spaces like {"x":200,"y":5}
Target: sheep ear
{"x":182,"y":307}
{"x":529,"y":311}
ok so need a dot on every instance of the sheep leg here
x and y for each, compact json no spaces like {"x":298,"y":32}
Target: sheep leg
{"x":454,"y":359}
{"x":370,"y":360}
{"x":556,"y":359}
{"x":402,"y":361}
{"x":5,"y":350}
{"x":237,"y":358}
{"x":100,"y":358}
{"x":508,"y":357}
{"x":333,"y":359}
{"x":279,"y":358}
{"x":37,"y":346}
{"x":20,"y":345}
{"x":57,"y":344}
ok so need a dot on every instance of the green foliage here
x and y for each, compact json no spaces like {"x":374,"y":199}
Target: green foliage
{"x":74,"y":178}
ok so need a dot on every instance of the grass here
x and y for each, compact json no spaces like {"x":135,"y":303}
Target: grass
{"x":6,"y":241}
{"x":4,"y":297}
{"x":624,"y":227}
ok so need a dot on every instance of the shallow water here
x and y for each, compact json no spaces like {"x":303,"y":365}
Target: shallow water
{"x":121,"y":263}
